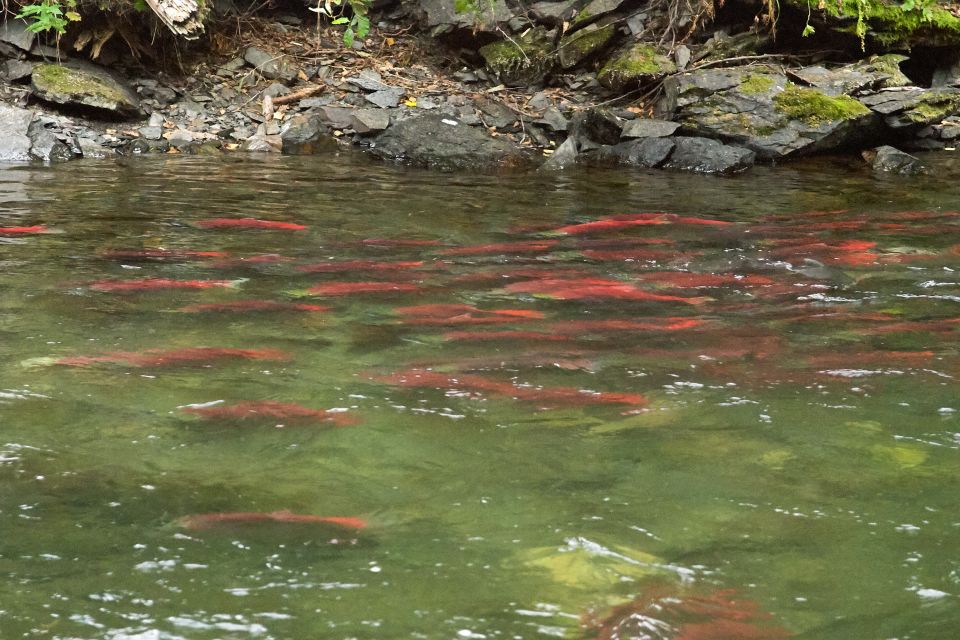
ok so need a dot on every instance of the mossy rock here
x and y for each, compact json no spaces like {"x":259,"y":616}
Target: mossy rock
{"x":83,"y":86}
{"x":888,"y":25}
{"x":814,"y":107}
{"x":581,"y":45}
{"x":637,"y":64}
{"x":521,"y":61}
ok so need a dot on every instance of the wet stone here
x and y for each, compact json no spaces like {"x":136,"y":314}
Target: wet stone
{"x":889,"y":159}
{"x":565,"y":156}
{"x":151,"y":133}
{"x":646,"y":152}
{"x":445,"y":144}
{"x":702,"y":155}
{"x":305,"y":134}
{"x":336,"y":117}
{"x":596,"y":125}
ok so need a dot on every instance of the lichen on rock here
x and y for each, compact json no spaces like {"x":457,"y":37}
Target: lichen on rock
{"x":83,"y":86}
{"x":520,"y":61}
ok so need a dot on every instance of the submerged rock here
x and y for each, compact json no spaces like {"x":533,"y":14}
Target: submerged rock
{"x":84,"y":86}
{"x":565,"y":156}
{"x":446,"y":144}
{"x":14,"y":125}
{"x":758,"y":108}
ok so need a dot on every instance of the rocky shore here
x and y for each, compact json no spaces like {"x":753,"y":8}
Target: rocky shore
{"x":543,"y":86}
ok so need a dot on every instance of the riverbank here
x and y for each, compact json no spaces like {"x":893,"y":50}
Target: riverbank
{"x":459,"y":95}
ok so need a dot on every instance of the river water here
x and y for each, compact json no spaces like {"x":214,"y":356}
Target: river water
{"x":596,"y":405}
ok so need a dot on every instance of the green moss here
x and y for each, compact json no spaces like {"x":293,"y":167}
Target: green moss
{"x":933,"y":108}
{"x":889,"y":24}
{"x":521,"y":60}
{"x":633,"y":65}
{"x":814,"y":107}
{"x":756,"y":83}
{"x":582,"y":44}
{"x":59,"y":79}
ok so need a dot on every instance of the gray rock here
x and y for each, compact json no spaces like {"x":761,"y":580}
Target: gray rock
{"x":682,"y":56}
{"x":539,"y":101}
{"x":495,"y":114}
{"x":305,"y":134}
{"x":648,"y":128}
{"x":889,"y":159}
{"x":444,"y":144}
{"x":156,"y":119}
{"x":276,"y":89}
{"x":565,"y":156}
{"x":232,"y":65}
{"x":369,"y":80}
{"x":14,"y":125}
{"x":385,"y":99}
{"x":13,"y":70}
{"x":756,"y":107}
{"x":595,"y":125}
{"x":92,"y":149}
{"x":268,"y":65}
{"x":365,"y":121}
{"x":141,"y":146}
{"x":947,"y":73}
{"x":441,"y":16}
{"x":553,"y":119}
{"x":45,"y":146}
{"x":84,"y":85}
{"x":151,"y":133}
{"x":850,"y":79}
{"x":15,"y":34}
{"x":263,"y":144}
{"x":554,"y":13}
{"x":336,"y":117}
{"x":912,"y":108}
{"x":647,"y":152}
{"x":702,"y":155}
{"x":597,"y":8}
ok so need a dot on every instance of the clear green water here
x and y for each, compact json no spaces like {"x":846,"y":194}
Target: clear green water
{"x":810,"y":464}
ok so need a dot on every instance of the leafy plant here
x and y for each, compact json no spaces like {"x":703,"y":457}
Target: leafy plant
{"x":49,"y":15}
{"x":922,"y":7}
{"x":357,"y":23}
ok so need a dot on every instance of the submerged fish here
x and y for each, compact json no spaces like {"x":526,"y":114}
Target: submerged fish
{"x":625,"y":221}
{"x":348,"y":288}
{"x":160,"y":254}
{"x":19,"y":231}
{"x":473,"y":383}
{"x":256,"y":411}
{"x":357,"y":265}
{"x":153,"y":284}
{"x":663,"y":613}
{"x":244,"y":306}
{"x":452,"y":314}
{"x":482,"y":336}
{"x":688,"y":280}
{"x":524,"y":246}
{"x":248,"y":223}
{"x":203,"y":521}
{"x":160,"y":358}
{"x":587,"y":288}
{"x":398,"y":242}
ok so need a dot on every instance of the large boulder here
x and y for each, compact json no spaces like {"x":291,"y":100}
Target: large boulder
{"x":758,"y":108}
{"x":14,"y":141}
{"x":84,"y":86}
{"x":444,"y":143}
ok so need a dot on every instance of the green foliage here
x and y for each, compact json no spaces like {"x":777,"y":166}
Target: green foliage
{"x":49,"y":15}
{"x":922,"y":7}
{"x":357,"y":22}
